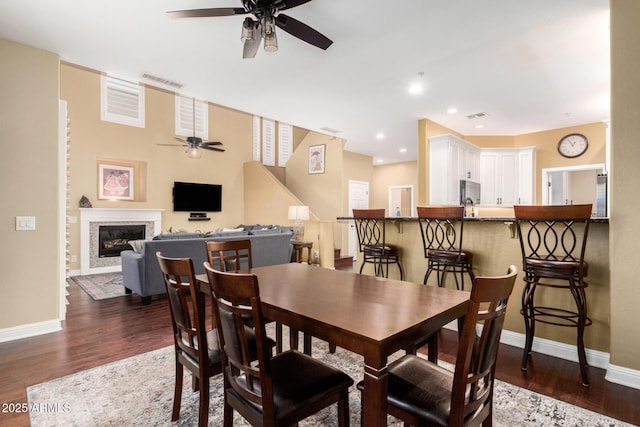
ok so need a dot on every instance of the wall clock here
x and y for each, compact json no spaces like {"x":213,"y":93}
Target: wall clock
{"x":573,"y":145}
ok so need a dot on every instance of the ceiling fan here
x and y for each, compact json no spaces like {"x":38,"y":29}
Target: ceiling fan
{"x":267,"y":17}
{"x":194,"y":143}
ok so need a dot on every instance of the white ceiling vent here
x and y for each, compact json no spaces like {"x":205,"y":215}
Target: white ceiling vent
{"x":477,"y":116}
{"x":163,"y":81}
{"x":328,"y":129}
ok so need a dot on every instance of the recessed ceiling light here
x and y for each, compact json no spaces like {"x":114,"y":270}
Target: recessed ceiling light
{"x":479,"y":126}
{"x":452,"y":110}
{"x":417,"y":86}
{"x":380,"y":135}
{"x":403,"y":150}
{"x":380,"y":160}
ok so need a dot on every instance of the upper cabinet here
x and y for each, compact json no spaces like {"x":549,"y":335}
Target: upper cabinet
{"x":450,"y":160}
{"x":506,"y":175}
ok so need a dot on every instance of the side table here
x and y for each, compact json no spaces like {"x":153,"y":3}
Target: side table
{"x":299,"y":248}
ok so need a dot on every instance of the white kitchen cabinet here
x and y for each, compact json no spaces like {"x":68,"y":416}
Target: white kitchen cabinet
{"x":526,"y":176}
{"x":506,"y":176}
{"x":450,"y":160}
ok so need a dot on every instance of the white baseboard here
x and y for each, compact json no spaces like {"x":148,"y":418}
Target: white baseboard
{"x":623,"y":376}
{"x":72,"y":273}
{"x":31,"y":330}
{"x":598,"y":359}
{"x":595,"y":358}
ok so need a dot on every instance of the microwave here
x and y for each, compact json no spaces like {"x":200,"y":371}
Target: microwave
{"x":469,"y":190}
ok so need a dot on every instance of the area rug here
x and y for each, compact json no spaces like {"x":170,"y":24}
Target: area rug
{"x":101,"y":286}
{"x":138,"y":391}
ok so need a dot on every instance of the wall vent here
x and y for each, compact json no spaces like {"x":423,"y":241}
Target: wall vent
{"x":477,"y":116}
{"x":163,"y":81}
{"x":330,"y":130}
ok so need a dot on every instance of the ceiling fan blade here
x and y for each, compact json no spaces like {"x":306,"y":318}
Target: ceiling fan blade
{"x":288,"y":4}
{"x":210,"y":143}
{"x":177,"y":138}
{"x":174,"y":145}
{"x":302,"y":31}
{"x":205,"y":147}
{"x":205,"y":13}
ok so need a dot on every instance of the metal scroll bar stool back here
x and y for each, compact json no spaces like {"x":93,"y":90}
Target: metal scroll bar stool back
{"x":441,"y":228}
{"x":553,"y":241}
{"x":370,"y":227}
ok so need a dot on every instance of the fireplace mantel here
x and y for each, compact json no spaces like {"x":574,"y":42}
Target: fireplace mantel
{"x":89,"y":216}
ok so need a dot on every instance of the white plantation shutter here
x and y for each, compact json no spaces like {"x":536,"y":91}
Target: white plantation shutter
{"x":121,"y":101}
{"x":184,"y":117}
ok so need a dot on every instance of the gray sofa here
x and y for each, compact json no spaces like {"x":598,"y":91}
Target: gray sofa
{"x":141,"y":272}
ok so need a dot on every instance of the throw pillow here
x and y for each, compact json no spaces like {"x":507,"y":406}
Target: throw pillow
{"x":137,"y":245}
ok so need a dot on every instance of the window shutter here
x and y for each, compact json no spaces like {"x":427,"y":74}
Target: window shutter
{"x":184,"y":117}
{"x":122,"y":101}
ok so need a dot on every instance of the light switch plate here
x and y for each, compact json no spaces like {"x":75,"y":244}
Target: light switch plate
{"x":25,"y":223}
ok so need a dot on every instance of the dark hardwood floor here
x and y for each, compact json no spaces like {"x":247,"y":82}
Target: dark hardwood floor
{"x":98,"y":332}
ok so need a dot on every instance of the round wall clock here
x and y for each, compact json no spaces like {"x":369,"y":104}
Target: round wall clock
{"x":573,"y":145}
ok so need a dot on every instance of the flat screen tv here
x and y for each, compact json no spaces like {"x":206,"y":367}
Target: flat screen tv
{"x":194,"y":197}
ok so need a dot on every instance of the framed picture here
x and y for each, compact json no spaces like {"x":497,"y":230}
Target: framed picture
{"x":115,"y":182}
{"x":316,"y":159}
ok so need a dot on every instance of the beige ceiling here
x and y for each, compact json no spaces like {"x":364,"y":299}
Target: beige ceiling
{"x":531,"y":65}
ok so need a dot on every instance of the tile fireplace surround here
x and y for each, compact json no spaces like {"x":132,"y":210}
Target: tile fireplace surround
{"x":90,"y":221}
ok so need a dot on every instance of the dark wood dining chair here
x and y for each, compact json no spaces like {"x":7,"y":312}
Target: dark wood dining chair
{"x":230,"y":255}
{"x":553,"y":240}
{"x":234,"y":255}
{"x":370,"y":228}
{"x":441,"y":228}
{"x":421,"y":393}
{"x":195,"y":348}
{"x":276,"y":391}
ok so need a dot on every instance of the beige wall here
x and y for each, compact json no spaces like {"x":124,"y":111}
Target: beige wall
{"x":321,"y":192}
{"x":92,"y":138}
{"x":396,"y":174}
{"x":625,"y":176}
{"x":29,"y":260}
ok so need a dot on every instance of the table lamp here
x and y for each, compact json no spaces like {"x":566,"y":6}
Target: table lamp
{"x":298,"y":214}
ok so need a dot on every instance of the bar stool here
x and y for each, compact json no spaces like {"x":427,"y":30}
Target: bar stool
{"x":441,"y":228}
{"x":370,"y":227}
{"x":553,"y":241}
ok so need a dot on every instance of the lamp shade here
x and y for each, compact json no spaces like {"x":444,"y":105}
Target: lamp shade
{"x":298,"y":213}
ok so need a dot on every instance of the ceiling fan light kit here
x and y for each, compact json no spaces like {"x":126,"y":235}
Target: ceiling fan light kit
{"x":193,"y":153}
{"x":267,"y":18}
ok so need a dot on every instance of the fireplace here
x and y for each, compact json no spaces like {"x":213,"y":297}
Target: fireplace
{"x":93,"y":259}
{"x":113,"y":239}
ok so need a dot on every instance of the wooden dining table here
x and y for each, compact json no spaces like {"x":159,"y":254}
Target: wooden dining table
{"x":368,"y":315}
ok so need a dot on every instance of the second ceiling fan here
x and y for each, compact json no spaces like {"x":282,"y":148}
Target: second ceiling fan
{"x":267,"y":16}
